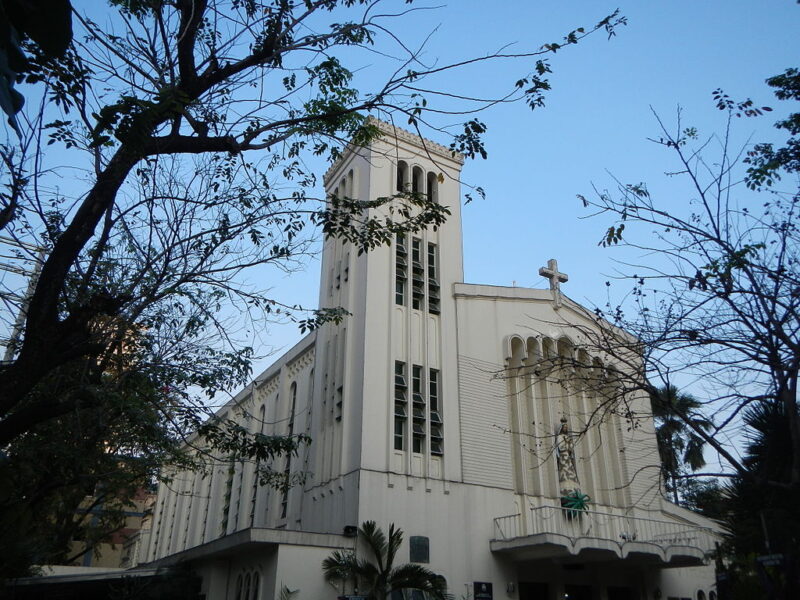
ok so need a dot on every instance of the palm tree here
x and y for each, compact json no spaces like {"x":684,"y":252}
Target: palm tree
{"x":679,"y":445}
{"x":376,"y":573}
{"x":762,"y":519}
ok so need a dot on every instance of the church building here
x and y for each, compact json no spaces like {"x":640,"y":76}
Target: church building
{"x":460,"y":413}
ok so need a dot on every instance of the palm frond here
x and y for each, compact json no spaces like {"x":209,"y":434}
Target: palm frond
{"x":417,"y":577}
{"x":378,"y":580}
{"x":374,"y":537}
{"x":395,"y":540}
{"x":339,"y":566}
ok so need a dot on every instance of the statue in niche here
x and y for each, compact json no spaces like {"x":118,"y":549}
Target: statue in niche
{"x":565,"y":458}
{"x":572,"y":499}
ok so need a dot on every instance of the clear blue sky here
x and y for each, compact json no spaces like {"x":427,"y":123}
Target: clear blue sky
{"x":596,"y":120}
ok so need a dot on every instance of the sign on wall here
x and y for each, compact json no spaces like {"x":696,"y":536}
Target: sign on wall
{"x":482,"y":590}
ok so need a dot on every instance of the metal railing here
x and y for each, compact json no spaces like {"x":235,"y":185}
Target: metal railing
{"x":619,"y":528}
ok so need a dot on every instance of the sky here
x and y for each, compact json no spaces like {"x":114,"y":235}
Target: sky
{"x":595,"y":124}
{"x":593,"y":128}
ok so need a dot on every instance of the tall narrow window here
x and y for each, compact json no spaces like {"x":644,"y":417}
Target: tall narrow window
{"x":431,"y":189}
{"x":401,"y":269}
{"x":207,"y":506}
{"x":240,"y":481}
{"x":433,"y":279}
{"x":254,"y":492}
{"x":288,"y":469}
{"x":188,"y":516}
{"x":160,"y":519}
{"x":419,"y":417}
{"x":434,"y":403}
{"x":402,"y":171}
{"x":417,"y":275}
{"x":416,"y":180}
{"x":226,"y":507}
{"x":400,"y":405}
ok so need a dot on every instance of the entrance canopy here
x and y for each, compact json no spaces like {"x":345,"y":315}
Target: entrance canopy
{"x":552,"y":532}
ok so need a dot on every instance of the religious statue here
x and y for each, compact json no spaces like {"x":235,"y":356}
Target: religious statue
{"x":565,"y":457}
{"x":572,"y":499}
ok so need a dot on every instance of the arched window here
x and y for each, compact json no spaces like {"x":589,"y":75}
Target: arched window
{"x":416,"y":181}
{"x":402,"y":176}
{"x":350,"y":177}
{"x":288,"y":469}
{"x":256,"y":582}
{"x":701,"y":595}
{"x":712,"y":595}
{"x":432,"y":189}
{"x":238,"y":595}
{"x":293,"y":394}
{"x":246,"y":589}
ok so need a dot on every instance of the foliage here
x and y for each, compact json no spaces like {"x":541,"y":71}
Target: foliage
{"x":705,"y":496}
{"x":720,"y":304}
{"x":767,"y":162}
{"x":166,"y":170}
{"x":45,"y":23}
{"x":187,"y":179}
{"x":678,"y":446}
{"x":376,"y":574}
{"x":575,"y":502}
{"x":762,"y":520}
{"x":73,"y":477}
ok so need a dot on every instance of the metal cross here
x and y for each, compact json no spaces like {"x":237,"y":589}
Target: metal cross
{"x":556,"y":279}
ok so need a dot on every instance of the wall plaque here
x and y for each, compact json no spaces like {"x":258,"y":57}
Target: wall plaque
{"x":419,"y":549}
{"x":482,"y":590}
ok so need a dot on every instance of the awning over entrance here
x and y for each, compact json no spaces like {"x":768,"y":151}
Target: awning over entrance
{"x":550,"y":532}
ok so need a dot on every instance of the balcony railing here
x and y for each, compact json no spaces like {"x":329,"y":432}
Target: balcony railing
{"x":607,"y":526}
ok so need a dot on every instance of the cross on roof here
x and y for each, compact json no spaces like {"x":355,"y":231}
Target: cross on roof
{"x":556,"y":278}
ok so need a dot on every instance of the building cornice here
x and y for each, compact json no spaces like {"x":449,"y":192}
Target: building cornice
{"x":398,"y":133}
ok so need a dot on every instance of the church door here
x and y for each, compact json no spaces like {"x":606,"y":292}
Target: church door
{"x":621,"y":593}
{"x":532,"y":591}
{"x":577,"y":592}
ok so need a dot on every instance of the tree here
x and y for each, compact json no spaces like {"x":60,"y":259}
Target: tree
{"x":377,"y":572}
{"x":182,"y":130}
{"x":722,"y":305}
{"x":48,"y":24}
{"x":706,"y":496}
{"x":721,"y":302}
{"x":762,"y":520}
{"x":173,"y":210}
{"x":678,"y":446}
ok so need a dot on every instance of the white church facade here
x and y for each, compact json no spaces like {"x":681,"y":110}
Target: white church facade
{"x":428,"y":409}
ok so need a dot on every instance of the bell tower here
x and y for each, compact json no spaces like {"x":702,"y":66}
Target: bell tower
{"x":387,"y":375}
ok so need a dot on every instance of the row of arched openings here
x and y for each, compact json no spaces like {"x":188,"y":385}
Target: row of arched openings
{"x":553,"y":378}
{"x":247,"y":586}
{"x":415,"y":180}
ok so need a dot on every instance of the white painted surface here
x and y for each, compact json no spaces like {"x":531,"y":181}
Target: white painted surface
{"x":354,"y":471}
